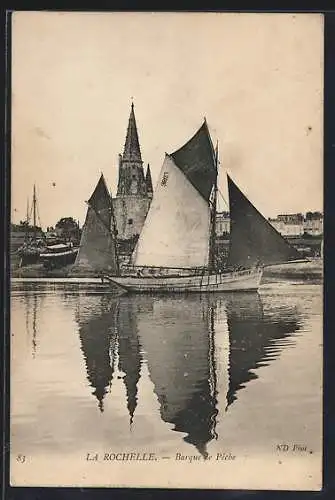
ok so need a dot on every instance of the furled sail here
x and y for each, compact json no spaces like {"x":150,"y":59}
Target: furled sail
{"x":177,"y":226}
{"x":252,"y":238}
{"x":97,"y":250}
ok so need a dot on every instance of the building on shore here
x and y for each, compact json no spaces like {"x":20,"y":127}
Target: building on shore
{"x":289,"y":225}
{"x":313,"y":223}
{"x":134,"y":190}
{"x":222,"y":224}
{"x":298,"y":225}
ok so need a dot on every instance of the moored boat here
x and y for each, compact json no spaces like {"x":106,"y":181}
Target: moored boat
{"x":58,"y":255}
{"x":229,"y":281}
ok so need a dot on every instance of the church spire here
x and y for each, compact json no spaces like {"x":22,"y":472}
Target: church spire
{"x":148,"y":181}
{"x":132,"y":150}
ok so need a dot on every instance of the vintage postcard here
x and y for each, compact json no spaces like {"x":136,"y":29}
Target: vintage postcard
{"x":166,"y":250}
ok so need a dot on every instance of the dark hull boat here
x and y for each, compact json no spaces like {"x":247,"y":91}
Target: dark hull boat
{"x":29,"y":255}
{"x":57,"y":256}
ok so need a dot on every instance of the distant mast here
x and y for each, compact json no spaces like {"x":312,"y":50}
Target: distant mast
{"x":34,"y":212}
{"x":27,"y":219}
{"x":27,"y":216}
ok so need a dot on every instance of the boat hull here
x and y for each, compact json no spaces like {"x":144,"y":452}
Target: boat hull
{"x":237,"y":281}
{"x":29,"y":258}
{"x":60,"y":259}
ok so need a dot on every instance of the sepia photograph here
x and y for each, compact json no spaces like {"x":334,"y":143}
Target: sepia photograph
{"x":166,"y":250}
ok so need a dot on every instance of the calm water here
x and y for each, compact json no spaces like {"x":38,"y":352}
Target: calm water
{"x":197,"y":375}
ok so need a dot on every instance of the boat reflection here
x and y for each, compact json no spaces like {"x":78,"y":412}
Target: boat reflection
{"x":200,"y":351}
{"x":177,"y":340}
{"x":257,"y":335}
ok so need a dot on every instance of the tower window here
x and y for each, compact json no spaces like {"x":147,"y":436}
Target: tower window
{"x":134,"y":177}
{"x":130,"y":221}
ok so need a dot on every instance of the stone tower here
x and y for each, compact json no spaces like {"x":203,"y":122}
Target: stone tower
{"x":134,"y":191}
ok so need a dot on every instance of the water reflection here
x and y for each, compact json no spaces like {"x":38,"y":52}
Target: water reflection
{"x":129,"y":352}
{"x":177,"y":340}
{"x":98,"y":336}
{"x":32,"y":304}
{"x":187,"y":344}
{"x":257,"y":335}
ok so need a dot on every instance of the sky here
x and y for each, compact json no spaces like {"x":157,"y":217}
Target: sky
{"x":257,"y":78}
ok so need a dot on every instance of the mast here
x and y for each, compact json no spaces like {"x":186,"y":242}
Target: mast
{"x":114,"y":236}
{"x":27,"y":216}
{"x":212,"y":237}
{"x":34,"y":211}
{"x":27,"y":220}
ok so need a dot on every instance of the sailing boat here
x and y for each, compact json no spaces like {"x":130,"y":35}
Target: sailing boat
{"x":176,"y":248}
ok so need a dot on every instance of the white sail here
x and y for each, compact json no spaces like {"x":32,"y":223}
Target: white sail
{"x":177,"y":226}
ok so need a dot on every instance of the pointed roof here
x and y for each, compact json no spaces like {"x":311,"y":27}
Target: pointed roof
{"x":132,"y":146}
{"x":100,"y":197}
{"x":148,"y":180}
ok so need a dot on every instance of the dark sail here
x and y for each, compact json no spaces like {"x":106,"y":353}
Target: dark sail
{"x":252,"y":238}
{"x":100,"y":201}
{"x":97,"y":252}
{"x":196,"y":159}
